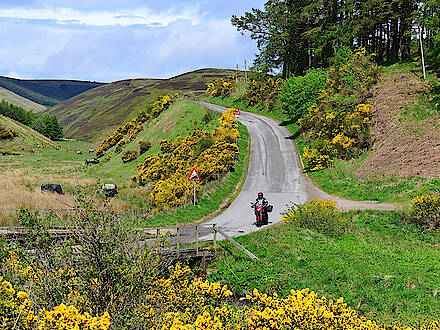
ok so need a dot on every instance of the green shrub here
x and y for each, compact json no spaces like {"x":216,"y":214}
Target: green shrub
{"x":425,"y":210}
{"x":129,"y":155}
{"x":144,"y":146}
{"x":322,"y":216}
{"x":300,"y":93}
{"x":203,"y":144}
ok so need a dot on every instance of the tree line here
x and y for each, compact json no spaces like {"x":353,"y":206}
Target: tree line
{"x":44,"y":124}
{"x":295,"y":35}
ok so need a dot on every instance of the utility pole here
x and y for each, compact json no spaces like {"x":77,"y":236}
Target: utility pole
{"x":245,"y":71}
{"x":421,"y":51}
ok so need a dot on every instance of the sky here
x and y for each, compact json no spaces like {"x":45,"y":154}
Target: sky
{"x":109,"y":40}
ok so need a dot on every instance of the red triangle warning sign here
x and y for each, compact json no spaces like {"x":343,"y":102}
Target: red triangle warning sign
{"x":194,"y":176}
{"x":236,"y":112}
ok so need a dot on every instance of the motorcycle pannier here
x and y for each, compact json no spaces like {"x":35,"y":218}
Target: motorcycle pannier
{"x":269,"y":208}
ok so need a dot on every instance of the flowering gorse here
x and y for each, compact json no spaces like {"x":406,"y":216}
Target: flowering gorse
{"x":338,"y":125}
{"x":212,"y":153}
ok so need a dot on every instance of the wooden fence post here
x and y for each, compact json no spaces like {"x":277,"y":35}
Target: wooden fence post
{"x":178,"y":241}
{"x":214,"y":230}
{"x":197,"y":241}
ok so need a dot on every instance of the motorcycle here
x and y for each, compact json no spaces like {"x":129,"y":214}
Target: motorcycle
{"x":261,"y":210}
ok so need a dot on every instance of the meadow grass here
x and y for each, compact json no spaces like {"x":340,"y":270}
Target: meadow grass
{"x":23,"y":173}
{"x":383,"y":267}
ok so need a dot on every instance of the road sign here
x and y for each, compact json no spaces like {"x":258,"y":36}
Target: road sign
{"x":194,"y":176}
{"x":236,"y":112}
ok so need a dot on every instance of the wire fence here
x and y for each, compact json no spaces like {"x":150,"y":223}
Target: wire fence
{"x":138,"y":213}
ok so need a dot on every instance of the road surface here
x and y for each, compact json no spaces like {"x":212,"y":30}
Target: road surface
{"x":274,"y":169}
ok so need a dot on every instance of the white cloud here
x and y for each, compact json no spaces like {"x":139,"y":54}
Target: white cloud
{"x":140,"y":16}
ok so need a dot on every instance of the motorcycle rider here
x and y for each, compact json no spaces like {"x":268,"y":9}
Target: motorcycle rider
{"x":263,"y":201}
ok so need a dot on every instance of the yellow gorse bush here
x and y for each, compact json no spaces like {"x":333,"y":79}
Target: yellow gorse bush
{"x":425,"y":210}
{"x":15,"y":308}
{"x":179,"y":300}
{"x":16,"y":312}
{"x":262,"y":92}
{"x":222,"y":87}
{"x":7,"y":134}
{"x":211,"y":153}
{"x":130,"y":130}
{"x":320,"y":215}
{"x":338,"y":126}
{"x":68,"y":317}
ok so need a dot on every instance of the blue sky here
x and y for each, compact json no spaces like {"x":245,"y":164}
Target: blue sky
{"x":108,"y":40}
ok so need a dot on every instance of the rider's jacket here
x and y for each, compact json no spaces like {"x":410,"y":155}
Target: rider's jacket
{"x":262,"y":201}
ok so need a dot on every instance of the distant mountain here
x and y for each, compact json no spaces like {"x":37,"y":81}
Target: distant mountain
{"x":47,"y":92}
{"x":15,"y":99}
{"x":96,"y":112}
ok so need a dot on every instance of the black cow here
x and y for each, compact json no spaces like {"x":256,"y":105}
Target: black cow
{"x":91,"y":161}
{"x":52,"y":188}
{"x":108,"y":190}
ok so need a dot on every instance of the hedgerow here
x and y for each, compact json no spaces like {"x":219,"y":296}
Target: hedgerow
{"x":7,"y":134}
{"x":212,"y":153}
{"x":338,"y":125}
{"x":130,"y":130}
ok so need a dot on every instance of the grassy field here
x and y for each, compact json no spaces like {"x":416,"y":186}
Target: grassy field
{"x":31,"y":160}
{"x":383,"y":268}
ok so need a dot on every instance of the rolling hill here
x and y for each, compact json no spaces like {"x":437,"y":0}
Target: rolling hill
{"x":20,"y":101}
{"x":96,"y":112}
{"x":46,"y":92}
{"x":28,"y":140}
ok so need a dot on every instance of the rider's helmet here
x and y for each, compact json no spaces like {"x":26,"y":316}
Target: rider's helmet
{"x":260,"y":195}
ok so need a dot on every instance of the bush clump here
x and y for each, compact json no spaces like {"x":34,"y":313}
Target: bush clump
{"x":222,"y":87}
{"x":144,"y":146}
{"x":212,"y":153}
{"x":322,"y":216}
{"x":299,"y":93}
{"x":7,"y":134}
{"x":425,"y":211}
{"x":338,"y":124}
{"x":129,"y":155}
{"x":120,"y":145}
{"x":263,"y":92}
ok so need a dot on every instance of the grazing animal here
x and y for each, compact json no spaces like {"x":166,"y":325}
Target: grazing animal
{"x":91,"y":161}
{"x":79,"y":152}
{"x":50,"y":187}
{"x":91,"y":151}
{"x":108,"y":190}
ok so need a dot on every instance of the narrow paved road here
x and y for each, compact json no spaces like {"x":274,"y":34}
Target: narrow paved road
{"x":273,"y":169}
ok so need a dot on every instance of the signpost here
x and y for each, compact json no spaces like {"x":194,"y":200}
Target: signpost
{"x":236,"y":112}
{"x":194,"y":177}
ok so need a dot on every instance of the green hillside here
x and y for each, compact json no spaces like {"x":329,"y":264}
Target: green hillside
{"x":20,"y":101}
{"x":93,"y":114}
{"x":46,"y":92}
{"x":27,"y":140}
